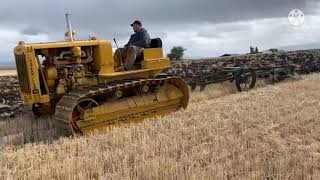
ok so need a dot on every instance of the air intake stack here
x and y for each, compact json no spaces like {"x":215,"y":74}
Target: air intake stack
{"x":70,"y":33}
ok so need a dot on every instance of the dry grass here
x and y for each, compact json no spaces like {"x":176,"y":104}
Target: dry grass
{"x":22,"y":130}
{"x":268,"y":133}
{"x":9,"y":72}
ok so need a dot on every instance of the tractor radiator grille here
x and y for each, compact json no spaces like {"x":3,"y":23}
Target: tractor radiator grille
{"x":22,"y":73}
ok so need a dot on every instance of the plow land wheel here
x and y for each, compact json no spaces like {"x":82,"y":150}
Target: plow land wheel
{"x":202,"y":87}
{"x":193,"y":86}
{"x":246,"y":80}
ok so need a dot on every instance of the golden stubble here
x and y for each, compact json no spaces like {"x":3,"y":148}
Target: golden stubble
{"x":267,"y":133}
{"x":8,"y":72}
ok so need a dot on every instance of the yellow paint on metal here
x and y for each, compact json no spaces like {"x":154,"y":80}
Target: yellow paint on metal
{"x":156,"y":63}
{"x":114,"y":118}
{"x":99,"y":69}
{"x":168,"y":96}
{"x":76,"y":51}
{"x":142,"y":73}
{"x":51,"y":73}
{"x":60,"y":89}
{"x":64,"y":44}
{"x":153,"y":53}
{"x":32,"y":99}
{"x":103,"y":127}
{"x":51,"y":83}
{"x":103,"y":57}
{"x":28,"y":60}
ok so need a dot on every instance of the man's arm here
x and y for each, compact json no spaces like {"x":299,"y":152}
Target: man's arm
{"x":129,"y":42}
{"x":144,"y":40}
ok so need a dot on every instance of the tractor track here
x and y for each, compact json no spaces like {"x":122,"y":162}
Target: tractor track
{"x":67,"y":103}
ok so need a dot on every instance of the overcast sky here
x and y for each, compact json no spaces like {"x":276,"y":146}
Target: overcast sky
{"x":206,"y":28}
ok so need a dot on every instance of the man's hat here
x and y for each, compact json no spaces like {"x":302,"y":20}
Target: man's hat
{"x":136,"y":22}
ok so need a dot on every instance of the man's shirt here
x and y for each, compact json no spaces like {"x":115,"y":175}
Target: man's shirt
{"x":140,"y":39}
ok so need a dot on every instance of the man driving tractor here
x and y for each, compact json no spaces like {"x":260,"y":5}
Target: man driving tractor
{"x":137,"y":42}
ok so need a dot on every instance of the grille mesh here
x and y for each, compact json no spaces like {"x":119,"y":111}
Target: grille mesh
{"x":22,"y":73}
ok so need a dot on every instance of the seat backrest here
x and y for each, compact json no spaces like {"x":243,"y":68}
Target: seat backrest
{"x":156,"y":43}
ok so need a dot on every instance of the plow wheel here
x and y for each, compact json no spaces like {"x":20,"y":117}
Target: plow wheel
{"x":78,"y":112}
{"x":202,"y":87}
{"x":246,"y":80}
{"x":193,"y":86}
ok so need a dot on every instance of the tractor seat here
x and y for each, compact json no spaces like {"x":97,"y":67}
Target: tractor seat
{"x":155,"y":43}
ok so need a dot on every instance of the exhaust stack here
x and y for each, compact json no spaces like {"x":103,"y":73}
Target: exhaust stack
{"x":70,"y":32}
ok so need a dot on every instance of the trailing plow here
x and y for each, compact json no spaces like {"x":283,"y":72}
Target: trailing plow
{"x":245,"y":69}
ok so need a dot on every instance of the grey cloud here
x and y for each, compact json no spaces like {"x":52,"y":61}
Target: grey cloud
{"x":218,"y":30}
{"x":31,"y":31}
{"x":111,"y":18}
{"x":211,"y":34}
{"x":301,"y":46}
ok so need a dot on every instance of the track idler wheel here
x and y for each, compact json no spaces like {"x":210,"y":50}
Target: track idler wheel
{"x":182,"y":85}
{"x":78,"y":112}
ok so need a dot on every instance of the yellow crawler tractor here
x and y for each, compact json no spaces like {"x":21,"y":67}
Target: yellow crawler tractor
{"x":76,"y":82}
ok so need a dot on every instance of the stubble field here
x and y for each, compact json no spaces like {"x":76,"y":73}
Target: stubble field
{"x":268,"y":133}
{"x":8,"y":72}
